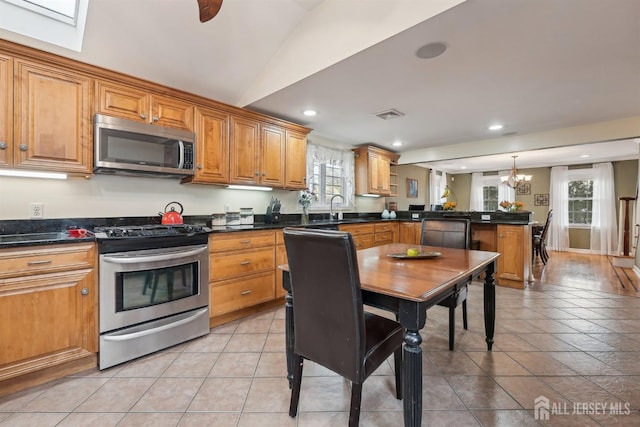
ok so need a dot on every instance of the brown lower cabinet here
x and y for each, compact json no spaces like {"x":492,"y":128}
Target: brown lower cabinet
{"x":242,"y":272}
{"x":48,"y":325}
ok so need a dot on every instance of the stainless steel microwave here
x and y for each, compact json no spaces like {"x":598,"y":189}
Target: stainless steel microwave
{"x":127,"y":147}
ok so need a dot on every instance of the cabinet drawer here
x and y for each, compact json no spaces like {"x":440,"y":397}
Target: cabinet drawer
{"x":239,"y":263}
{"x":358,"y":230}
{"x":364,"y":242}
{"x":45,"y":259}
{"x":242,"y":240}
{"x":232,"y":295}
{"x":383,"y":238}
{"x":382,"y":227}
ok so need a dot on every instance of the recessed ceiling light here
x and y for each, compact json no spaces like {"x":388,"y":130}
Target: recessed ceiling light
{"x":431,"y":50}
{"x":495,"y":127}
{"x":397,"y":143}
{"x":309,"y":113}
{"x":584,"y":155}
{"x":463,"y":167}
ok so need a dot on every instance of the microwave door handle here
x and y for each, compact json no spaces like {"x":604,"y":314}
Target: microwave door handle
{"x":181,"y":149}
{"x":153,"y":258}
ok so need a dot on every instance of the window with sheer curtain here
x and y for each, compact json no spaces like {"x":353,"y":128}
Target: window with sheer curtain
{"x":330,"y":171}
{"x":584,"y":198}
{"x":487,"y":192}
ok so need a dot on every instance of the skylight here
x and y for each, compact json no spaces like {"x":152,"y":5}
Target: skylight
{"x":60,"y":10}
{"x":59,"y":22}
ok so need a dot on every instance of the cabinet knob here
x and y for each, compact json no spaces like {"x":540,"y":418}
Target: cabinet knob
{"x":264,"y":174}
{"x":257,"y":173}
{"x":199,"y":167}
{"x":143,"y":116}
{"x":3,"y":145}
{"x":84,"y":291}
{"x":155,"y":118}
{"x":23,"y":147}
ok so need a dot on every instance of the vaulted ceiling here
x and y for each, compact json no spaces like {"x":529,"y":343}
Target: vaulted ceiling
{"x":533,"y":66}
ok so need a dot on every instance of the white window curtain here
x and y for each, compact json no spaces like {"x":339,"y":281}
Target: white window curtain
{"x":504,"y":191}
{"x":322,"y":154}
{"x":437,"y":184}
{"x":476,"y":197}
{"x":604,"y":228}
{"x":559,"y":194}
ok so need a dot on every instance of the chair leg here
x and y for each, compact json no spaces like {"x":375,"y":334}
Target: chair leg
{"x":452,"y":327}
{"x":464,"y":314}
{"x":297,"y":381}
{"x":356,"y":398}
{"x":397,"y":360}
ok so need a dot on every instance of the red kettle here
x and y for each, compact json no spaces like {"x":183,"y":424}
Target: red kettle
{"x":171,"y":217}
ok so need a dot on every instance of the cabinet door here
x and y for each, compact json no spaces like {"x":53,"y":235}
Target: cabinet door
{"x":272,"y":149}
{"x":171,"y":112}
{"x":6,"y":111}
{"x":281,"y":258}
{"x":409,"y":232}
{"x":295,"y":172}
{"x":379,"y":174}
{"x":122,"y":101}
{"x":212,"y":149}
{"x":244,"y":146}
{"x":511,"y":271}
{"x":46,"y":320}
{"x":52,"y":124}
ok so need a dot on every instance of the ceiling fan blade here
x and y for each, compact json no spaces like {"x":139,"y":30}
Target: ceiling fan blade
{"x":208,"y":9}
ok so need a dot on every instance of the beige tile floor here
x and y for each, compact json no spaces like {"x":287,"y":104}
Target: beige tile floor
{"x":573,"y":346}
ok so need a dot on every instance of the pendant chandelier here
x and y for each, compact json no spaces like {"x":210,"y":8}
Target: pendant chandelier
{"x":514,"y":179}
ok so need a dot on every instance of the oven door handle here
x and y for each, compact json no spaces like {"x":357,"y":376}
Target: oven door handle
{"x":154,"y":258}
{"x":133,"y":335}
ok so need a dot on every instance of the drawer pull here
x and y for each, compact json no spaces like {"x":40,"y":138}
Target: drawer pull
{"x":245,"y":292}
{"x":247,"y":262}
{"x":244,"y":242}
{"x":44,"y":261}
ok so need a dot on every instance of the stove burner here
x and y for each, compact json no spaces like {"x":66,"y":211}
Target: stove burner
{"x":148,"y":231}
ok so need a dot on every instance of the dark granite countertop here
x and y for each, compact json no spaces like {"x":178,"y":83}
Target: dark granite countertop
{"x":16,"y":233}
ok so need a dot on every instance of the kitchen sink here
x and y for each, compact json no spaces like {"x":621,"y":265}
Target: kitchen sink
{"x":31,"y":237}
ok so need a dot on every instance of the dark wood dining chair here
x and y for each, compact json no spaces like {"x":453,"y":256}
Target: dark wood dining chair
{"x":330,"y":326}
{"x":540,"y":240}
{"x":450,"y":233}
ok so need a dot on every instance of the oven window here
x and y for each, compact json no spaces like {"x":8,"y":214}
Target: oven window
{"x":137,"y":289}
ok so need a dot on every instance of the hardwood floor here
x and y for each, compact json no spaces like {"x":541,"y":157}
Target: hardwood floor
{"x":585,"y":271}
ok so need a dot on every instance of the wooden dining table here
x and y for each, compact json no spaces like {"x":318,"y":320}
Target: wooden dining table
{"x":408,"y":287}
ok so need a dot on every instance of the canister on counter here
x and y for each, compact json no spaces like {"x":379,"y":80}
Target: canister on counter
{"x":233,"y":218}
{"x":218,"y":220}
{"x":246,"y":216}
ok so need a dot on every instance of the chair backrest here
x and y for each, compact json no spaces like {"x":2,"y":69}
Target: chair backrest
{"x":327,"y":300}
{"x":448,"y":233}
{"x":547,"y":223}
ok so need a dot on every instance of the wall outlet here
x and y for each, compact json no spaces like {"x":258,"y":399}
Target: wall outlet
{"x":485,"y":217}
{"x":36,"y":210}
{"x":415,"y":216}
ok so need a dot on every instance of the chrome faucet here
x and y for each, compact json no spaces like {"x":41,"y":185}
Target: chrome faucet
{"x":331,"y":205}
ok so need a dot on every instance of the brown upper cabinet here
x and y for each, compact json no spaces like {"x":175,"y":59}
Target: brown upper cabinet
{"x":257,"y":153}
{"x":373,"y":171}
{"x":212,"y":147}
{"x":114,"y":99}
{"x":51,"y":120}
{"x":295,"y":172}
{"x":6,"y":111}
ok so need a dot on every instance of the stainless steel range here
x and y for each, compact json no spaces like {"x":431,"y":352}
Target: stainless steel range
{"x":154,"y":290}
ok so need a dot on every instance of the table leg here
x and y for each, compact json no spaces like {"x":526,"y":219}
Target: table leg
{"x":489,"y":304}
{"x":288,"y":322}
{"x":412,"y":394}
